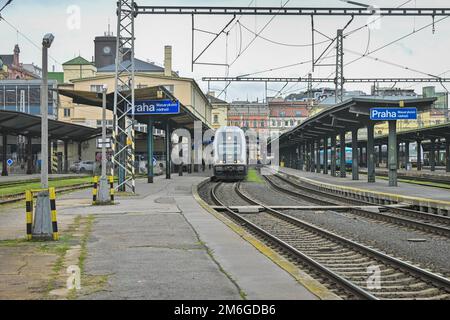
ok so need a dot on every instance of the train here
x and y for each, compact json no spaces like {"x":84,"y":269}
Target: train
{"x":348,"y":158}
{"x":230,"y":154}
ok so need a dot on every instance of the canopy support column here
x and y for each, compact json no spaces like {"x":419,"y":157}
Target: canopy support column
{"x":355,"y":155}
{"x":168,"y":160}
{"x":325,"y":155}
{"x":392,"y":154}
{"x":333,"y":155}
{"x":370,"y":153}
{"x":150,"y":142}
{"x":419,"y":155}
{"x":4,"y":155}
{"x":342,"y":162}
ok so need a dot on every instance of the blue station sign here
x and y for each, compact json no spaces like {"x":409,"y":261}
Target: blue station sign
{"x":156,"y":107}
{"x":387,"y":114}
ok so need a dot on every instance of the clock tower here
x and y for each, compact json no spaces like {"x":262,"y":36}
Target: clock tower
{"x":105,"y":50}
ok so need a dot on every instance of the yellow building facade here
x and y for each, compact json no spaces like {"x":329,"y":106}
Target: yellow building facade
{"x":185,"y":90}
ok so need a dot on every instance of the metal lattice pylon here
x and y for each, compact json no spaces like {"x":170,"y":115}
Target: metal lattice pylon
{"x":123,"y":133}
{"x":339,"y":66}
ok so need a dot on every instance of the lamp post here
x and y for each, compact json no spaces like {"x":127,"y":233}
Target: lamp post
{"x":103,"y":195}
{"x":42,"y":227}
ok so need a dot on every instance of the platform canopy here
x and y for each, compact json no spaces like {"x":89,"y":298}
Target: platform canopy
{"x":349,"y":115}
{"x":19,"y":123}
{"x":185,"y":119}
{"x":422,"y":134}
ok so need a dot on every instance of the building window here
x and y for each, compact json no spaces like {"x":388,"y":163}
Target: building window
{"x":216,"y":118}
{"x":282,"y":114}
{"x":255,"y":124}
{"x":292,"y":123}
{"x":286,"y":123}
{"x":262,"y":124}
{"x":96,"y":88}
{"x":170,"y":88}
{"x":298,"y":113}
{"x":274,"y":123}
{"x":66,"y":113}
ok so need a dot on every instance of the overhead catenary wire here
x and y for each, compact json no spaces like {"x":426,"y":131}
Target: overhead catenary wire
{"x":27,"y":38}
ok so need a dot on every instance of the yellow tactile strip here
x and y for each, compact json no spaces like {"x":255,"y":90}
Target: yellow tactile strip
{"x":300,"y":276}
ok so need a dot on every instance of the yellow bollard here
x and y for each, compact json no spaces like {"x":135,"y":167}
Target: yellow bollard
{"x":29,"y":213}
{"x":53,"y":211}
{"x":111,"y":186}
{"x":94,"y":191}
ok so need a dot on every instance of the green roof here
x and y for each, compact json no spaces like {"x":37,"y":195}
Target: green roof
{"x":58,"y":76}
{"x":77,"y":62}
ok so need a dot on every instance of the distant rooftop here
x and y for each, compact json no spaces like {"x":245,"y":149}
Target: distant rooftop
{"x":215,"y":100}
{"x":78,"y":61}
{"x":139,"y":65}
{"x":58,"y":76}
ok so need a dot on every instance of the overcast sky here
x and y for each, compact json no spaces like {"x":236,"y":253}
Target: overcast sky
{"x":424,"y":51}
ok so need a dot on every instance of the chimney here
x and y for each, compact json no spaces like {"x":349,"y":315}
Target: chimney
{"x":16,"y":60}
{"x":168,"y":61}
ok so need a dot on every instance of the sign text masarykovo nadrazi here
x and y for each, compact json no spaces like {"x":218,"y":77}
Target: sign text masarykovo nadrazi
{"x":148,"y":107}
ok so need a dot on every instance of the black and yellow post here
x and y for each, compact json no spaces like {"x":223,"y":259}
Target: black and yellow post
{"x":29,"y":196}
{"x":55,"y":158}
{"x":111,"y":188}
{"x":52,"y":193}
{"x":95,"y":191}
{"x":29,"y":208}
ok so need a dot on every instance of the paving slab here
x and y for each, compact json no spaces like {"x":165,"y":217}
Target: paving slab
{"x":166,"y":246}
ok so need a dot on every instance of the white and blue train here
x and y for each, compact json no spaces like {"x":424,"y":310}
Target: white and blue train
{"x":230,"y":154}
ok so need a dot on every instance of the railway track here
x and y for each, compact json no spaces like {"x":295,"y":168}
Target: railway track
{"x":343,"y":264}
{"x":430,"y":223}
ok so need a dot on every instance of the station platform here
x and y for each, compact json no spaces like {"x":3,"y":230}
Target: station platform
{"x":436,"y":199}
{"x":440,"y":175}
{"x":162,"y":244}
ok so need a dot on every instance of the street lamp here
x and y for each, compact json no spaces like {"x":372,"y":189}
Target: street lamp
{"x":103,"y":195}
{"x":46,"y":43}
{"x":42,"y":227}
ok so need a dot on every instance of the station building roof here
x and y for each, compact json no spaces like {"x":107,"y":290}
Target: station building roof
{"x":349,"y":115}
{"x":185,"y":119}
{"x":19,"y":123}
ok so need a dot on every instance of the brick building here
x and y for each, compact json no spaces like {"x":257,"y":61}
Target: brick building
{"x":284,"y":115}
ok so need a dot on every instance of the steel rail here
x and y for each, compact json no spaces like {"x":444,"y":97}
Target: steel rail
{"x":354,"y":289}
{"x":425,"y":275}
{"x":400,"y":211}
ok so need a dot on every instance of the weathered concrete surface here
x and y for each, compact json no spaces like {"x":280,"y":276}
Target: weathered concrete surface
{"x":151,"y":251}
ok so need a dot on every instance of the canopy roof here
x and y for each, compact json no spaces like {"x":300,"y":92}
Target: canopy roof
{"x":19,"y":123}
{"x":349,"y":115}
{"x":185,"y":119}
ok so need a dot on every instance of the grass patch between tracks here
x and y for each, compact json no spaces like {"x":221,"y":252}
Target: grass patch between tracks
{"x":21,"y":188}
{"x":253,"y":176}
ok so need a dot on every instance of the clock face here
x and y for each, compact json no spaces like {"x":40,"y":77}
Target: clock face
{"x":106,"y":50}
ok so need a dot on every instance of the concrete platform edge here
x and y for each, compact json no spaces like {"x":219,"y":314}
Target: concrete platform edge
{"x":437,"y":205}
{"x":300,"y":276}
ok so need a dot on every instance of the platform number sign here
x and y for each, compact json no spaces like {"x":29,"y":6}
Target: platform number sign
{"x":10,"y":162}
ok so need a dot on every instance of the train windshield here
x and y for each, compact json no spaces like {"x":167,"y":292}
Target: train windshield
{"x":229,"y":148}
